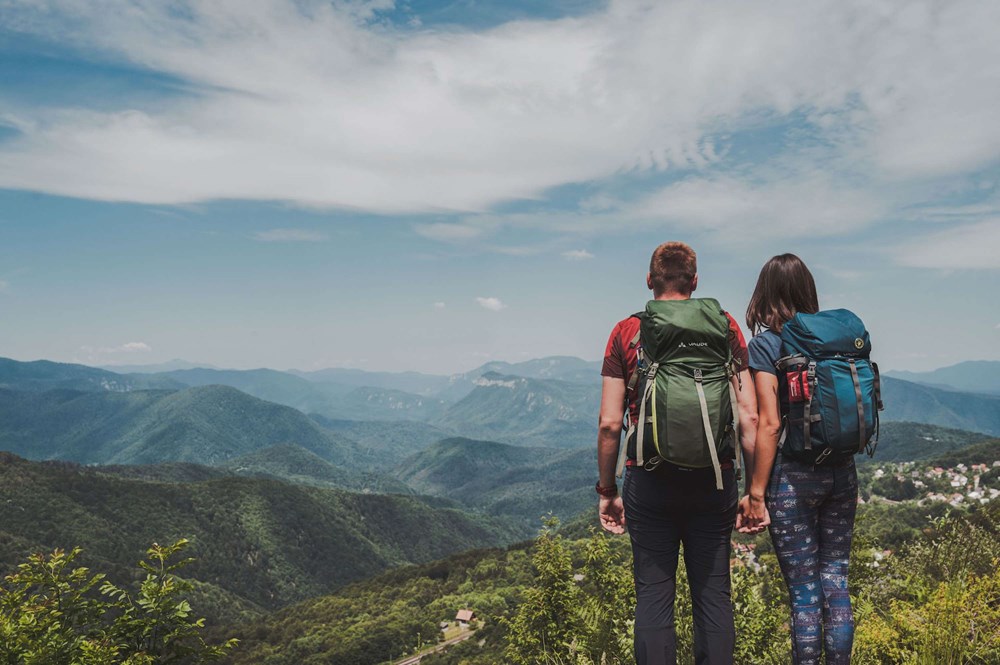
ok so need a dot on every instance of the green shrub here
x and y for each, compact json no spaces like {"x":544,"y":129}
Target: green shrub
{"x":52,"y":613}
{"x":937,"y":600}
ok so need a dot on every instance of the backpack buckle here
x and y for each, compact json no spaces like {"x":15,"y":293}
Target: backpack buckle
{"x":697,"y":375}
{"x":652,"y":463}
{"x":822,"y":456}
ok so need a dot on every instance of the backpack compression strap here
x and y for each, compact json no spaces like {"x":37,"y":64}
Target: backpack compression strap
{"x":878,"y":407}
{"x":646,"y":395}
{"x":861,"y":405}
{"x":737,"y":448}
{"x":807,"y":412}
{"x":709,"y":435}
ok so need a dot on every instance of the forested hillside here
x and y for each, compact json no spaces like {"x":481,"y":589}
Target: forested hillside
{"x":500,"y":479}
{"x":262,"y":543}
{"x":904,"y":441}
{"x":296,"y":464}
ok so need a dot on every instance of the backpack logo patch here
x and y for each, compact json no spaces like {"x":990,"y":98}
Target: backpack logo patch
{"x":859,"y":343}
{"x":682,"y":345}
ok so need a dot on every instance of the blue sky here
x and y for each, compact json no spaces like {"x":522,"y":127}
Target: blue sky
{"x":430,"y":185}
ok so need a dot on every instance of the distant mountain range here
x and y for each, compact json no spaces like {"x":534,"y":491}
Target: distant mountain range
{"x":40,"y":375}
{"x":207,"y":425}
{"x":169,"y":366}
{"x":332,"y":400}
{"x":554,"y":407}
{"x":914,"y":402}
{"x":977,"y":376}
{"x":529,"y":412}
{"x":412,"y":382}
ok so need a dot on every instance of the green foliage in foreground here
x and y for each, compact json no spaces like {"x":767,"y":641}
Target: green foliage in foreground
{"x":561,"y":622}
{"x":52,"y":613}
{"x":569,"y":600}
{"x":936,"y":601}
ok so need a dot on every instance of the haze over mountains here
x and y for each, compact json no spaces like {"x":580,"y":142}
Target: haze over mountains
{"x":85,"y":414}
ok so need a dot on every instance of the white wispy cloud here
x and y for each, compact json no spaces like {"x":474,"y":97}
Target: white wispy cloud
{"x":491,"y":303}
{"x":804,"y":205}
{"x":4,"y":285}
{"x":577,"y":255}
{"x":439,"y":305}
{"x":290,"y":235}
{"x":317,"y":103}
{"x":785,"y":202}
{"x":965,"y":247}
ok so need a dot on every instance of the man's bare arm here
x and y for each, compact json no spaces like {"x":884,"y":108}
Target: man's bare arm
{"x":609,"y":432}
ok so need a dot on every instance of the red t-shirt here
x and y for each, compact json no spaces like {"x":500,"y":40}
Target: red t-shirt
{"x":620,"y":361}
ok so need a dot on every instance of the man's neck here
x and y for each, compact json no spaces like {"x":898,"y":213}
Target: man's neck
{"x":672,"y":296}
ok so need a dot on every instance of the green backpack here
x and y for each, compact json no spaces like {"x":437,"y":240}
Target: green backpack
{"x":687,"y":402}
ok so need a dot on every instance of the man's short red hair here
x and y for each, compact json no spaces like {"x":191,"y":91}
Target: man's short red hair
{"x":672,"y":268}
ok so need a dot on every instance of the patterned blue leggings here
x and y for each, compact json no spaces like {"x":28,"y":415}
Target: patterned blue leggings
{"x":812,"y":521}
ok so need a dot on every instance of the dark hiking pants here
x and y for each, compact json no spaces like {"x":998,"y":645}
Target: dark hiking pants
{"x":812,"y":522}
{"x":663,"y":509}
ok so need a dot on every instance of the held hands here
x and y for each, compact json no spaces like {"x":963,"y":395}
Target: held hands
{"x":751,"y":515}
{"x":612,"y":513}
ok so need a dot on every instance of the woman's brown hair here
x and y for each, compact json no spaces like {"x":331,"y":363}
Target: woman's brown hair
{"x":785,"y":286}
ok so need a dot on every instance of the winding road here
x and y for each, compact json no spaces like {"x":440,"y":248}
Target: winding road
{"x":413,"y":660}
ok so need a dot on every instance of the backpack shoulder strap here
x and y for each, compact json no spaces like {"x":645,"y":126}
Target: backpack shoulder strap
{"x":634,"y":379}
{"x":630,"y":387}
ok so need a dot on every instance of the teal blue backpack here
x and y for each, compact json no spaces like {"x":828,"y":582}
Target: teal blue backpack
{"x":829,"y":388}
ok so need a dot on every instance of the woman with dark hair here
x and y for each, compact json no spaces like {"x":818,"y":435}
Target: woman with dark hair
{"x":810,"y":507}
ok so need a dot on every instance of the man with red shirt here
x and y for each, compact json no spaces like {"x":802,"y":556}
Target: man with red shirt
{"x":670,"y":504}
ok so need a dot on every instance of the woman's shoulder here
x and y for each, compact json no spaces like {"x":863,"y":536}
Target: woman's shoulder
{"x":766,"y":337}
{"x":765,"y":349}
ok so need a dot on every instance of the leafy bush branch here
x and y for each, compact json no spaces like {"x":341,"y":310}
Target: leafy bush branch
{"x":52,"y":613}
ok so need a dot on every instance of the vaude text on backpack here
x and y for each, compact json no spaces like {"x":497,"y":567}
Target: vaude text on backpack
{"x":830,"y":391}
{"x":687,"y":405}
